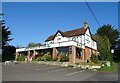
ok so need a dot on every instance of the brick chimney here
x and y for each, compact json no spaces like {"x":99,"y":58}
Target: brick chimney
{"x":85,"y":25}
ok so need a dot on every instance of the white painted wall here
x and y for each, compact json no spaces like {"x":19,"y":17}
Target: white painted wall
{"x":60,"y":38}
{"x":80,"y":41}
{"x":92,"y":44}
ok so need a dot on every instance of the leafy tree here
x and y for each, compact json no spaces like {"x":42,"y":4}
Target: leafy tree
{"x":8,"y":53}
{"x":102,"y":42}
{"x":108,"y":38}
{"x":105,"y":55}
{"x":31,"y":45}
{"x":111,"y":33}
{"x":116,"y":53}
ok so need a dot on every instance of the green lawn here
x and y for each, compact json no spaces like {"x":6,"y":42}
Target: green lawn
{"x":111,"y":68}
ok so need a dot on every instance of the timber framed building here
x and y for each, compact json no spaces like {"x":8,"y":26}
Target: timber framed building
{"x":78,"y":44}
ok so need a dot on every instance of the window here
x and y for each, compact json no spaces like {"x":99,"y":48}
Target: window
{"x":74,"y":38}
{"x":69,"y":39}
{"x":78,"y":53}
{"x":58,"y":34}
{"x":58,"y":39}
{"x":93,"y":43}
{"x":87,"y":40}
{"x":51,"y":42}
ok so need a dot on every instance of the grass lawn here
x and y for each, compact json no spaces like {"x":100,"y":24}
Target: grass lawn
{"x":111,"y":68}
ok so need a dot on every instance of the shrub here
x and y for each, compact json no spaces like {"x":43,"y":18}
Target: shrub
{"x":38,"y":59}
{"x":55,"y":58}
{"x":64,"y":58}
{"x":89,"y":63}
{"x":46,"y":58}
{"x":94,"y":58}
{"x":21,"y":58}
{"x":77,"y":63}
{"x":105,"y":55}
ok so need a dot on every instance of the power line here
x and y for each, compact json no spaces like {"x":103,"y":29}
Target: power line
{"x":92,"y":13}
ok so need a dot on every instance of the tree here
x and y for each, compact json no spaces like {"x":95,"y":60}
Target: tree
{"x":111,"y":33}
{"x":34,"y":44}
{"x":7,"y":50}
{"x":105,"y":55}
{"x":5,"y":33}
{"x":116,"y":53}
{"x":31,"y":45}
{"x":108,"y":38}
{"x":8,"y":53}
{"x":102,"y":43}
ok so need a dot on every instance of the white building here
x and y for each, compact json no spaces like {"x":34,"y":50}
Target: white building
{"x":78,"y":44}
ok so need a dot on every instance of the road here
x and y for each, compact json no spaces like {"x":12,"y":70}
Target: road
{"x":39,"y":72}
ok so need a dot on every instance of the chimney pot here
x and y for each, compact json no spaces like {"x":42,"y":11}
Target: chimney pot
{"x":85,"y":24}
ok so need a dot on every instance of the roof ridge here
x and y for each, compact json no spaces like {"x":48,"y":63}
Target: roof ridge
{"x":70,"y":33}
{"x":74,"y":29}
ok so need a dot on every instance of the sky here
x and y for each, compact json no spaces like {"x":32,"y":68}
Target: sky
{"x":34,"y":22}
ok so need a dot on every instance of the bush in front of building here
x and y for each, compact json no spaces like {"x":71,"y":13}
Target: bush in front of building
{"x":44,"y":58}
{"x":21,"y":58}
{"x":55,"y":58}
{"x":105,"y":55}
{"x":94,"y":58}
{"x":90,"y":63}
{"x":64,"y":58}
{"x":38,"y":59}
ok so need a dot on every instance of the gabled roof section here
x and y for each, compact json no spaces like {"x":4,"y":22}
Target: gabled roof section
{"x":62,"y":33}
{"x":75,"y":32}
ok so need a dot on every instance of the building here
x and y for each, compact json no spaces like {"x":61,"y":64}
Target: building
{"x":78,"y":44}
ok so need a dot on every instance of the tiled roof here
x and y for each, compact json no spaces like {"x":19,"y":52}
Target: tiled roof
{"x":38,"y":44}
{"x":70,"y":33}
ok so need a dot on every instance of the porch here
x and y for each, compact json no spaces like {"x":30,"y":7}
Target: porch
{"x":76,"y":54}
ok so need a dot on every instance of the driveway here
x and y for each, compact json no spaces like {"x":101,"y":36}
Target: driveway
{"x":38,"y":72}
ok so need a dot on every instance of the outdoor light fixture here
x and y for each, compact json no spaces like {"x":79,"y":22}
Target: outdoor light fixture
{"x":112,"y":50}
